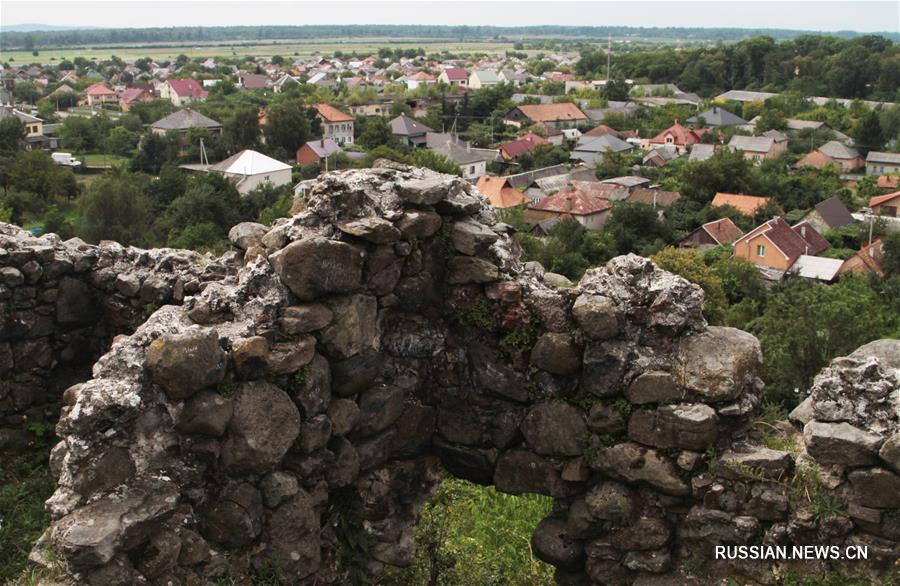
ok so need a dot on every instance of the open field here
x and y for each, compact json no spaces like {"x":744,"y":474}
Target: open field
{"x":288,"y":48}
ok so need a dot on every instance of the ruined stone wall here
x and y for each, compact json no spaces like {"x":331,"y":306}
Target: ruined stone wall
{"x":61,"y":303}
{"x":294,"y":419}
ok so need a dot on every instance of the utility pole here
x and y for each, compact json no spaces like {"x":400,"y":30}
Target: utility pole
{"x":608,"y":53}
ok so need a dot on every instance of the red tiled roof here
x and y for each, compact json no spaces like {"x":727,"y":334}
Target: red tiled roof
{"x":884,"y":182}
{"x":552,"y":112}
{"x":456,"y":74}
{"x":523,"y":144}
{"x":816,"y":241}
{"x":499,"y":193}
{"x":187,"y":88}
{"x":332,"y":114}
{"x":577,"y":200}
{"x":880,"y":199}
{"x":780,"y":234}
{"x":131,"y":94}
{"x":746,"y":204}
{"x":723,"y":231}
{"x":654,"y":196}
{"x":683,"y":136}
{"x":99,"y":89}
{"x":816,"y":159}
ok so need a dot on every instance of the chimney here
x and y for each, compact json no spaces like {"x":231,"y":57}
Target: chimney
{"x":803,"y":231}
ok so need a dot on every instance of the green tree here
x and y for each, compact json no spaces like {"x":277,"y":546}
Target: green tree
{"x":377,"y":133}
{"x":121,"y":141}
{"x":209,"y":199}
{"x":288,"y":127}
{"x":689,"y":263}
{"x":155,"y":151}
{"x":636,"y":227}
{"x":12,"y":131}
{"x":890,"y":261}
{"x":868,"y":134}
{"x":115,"y":207}
{"x":241,"y":130}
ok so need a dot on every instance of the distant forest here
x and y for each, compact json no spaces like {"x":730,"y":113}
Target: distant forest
{"x":67,"y":38}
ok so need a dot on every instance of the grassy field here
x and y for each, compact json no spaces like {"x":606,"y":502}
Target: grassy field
{"x":169,"y":51}
{"x":101,"y":160}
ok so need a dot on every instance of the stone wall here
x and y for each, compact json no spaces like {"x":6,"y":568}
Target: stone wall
{"x":61,"y":304}
{"x":295,"y":418}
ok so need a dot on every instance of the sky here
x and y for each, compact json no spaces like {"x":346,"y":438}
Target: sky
{"x":861,"y":16}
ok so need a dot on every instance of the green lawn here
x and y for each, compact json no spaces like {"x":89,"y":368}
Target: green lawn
{"x":101,"y":160}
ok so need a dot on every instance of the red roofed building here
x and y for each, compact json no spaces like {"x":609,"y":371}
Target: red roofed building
{"x":99,"y":93}
{"x":524,"y":144}
{"x":775,"y":245}
{"x":499,"y":192}
{"x":678,"y":135}
{"x":454,"y":76}
{"x":603,"y":130}
{"x":746,"y":204}
{"x":577,"y":202}
{"x":562,"y":115}
{"x":886,"y":205}
{"x":182,"y":91}
{"x":336,"y":125}
{"x":711,"y":234}
{"x":133,"y":95}
{"x":867,"y":260}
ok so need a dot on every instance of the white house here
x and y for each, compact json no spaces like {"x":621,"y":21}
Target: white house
{"x":250,"y":169}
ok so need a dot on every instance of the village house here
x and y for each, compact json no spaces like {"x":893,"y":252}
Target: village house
{"x":866,"y":261}
{"x":410,"y":131}
{"x":562,"y":115}
{"x":499,"y":192}
{"x":757,"y":148}
{"x":249,"y":169}
{"x":472,"y":162}
{"x":524,"y":144}
{"x":879,"y":163}
{"x":775,"y":245}
{"x":886,"y":205}
{"x":373,"y":109}
{"x":516,"y":78}
{"x":336,"y":125}
{"x":454,"y":77}
{"x":659,"y":155}
{"x":34,"y":129}
{"x":133,"y":95}
{"x":253,"y":81}
{"x":828,"y":214}
{"x":483,"y":79}
{"x":419,"y":79}
{"x":716,"y":116}
{"x":842,"y":157}
{"x":701,"y":152}
{"x":183,"y":120}
{"x":284,"y":82}
{"x":655,"y":198}
{"x":99,"y":94}
{"x":315,"y":152}
{"x":888,"y":182}
{"x":711,"y":234}
{"x":747,"y":205}
{"x":590,"y":149}
{"x":182,"y":92}
{"x":576,"y":202}
{"x":677,"y":135}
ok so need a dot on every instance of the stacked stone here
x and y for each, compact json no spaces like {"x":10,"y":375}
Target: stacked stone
{"x":61,"y":303}
{"x":295,"y":419}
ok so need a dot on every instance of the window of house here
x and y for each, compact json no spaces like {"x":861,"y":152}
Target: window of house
{"x":266,"y":178}
{"x":472,"y":169}
{"x":669,"y":140}
{"x":760,"y":250}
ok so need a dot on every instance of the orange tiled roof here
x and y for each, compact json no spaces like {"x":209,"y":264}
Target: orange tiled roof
{"x":880,"y":199}
{"x":499,"y":193}
{"x":332,"y":114}
{"x":552,"y":112}
{"x":746,"y":204}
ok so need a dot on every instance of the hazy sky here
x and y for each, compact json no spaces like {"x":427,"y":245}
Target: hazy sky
{"x":863,"y":16}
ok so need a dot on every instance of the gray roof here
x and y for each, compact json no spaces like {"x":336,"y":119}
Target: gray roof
{"x":463,"y":155}
{"x":627,"y":181}
{"x":701,"y":152}
{"x":184,"y":119}
{"x":486,"y":75}
{"x":834,"y":212}
{"x":405,"y":126}
{"x":775,"y":135}
{"x":836,"y":150}
{"x":745,"y":96}
{"x":528,"y":177}
{"x":880,"y":157}
{"x":666,"y":151}
{"x":519,"y":98}
{"x":717,"y":116}
{"x":10,"y":112}
{"x":598,"y":144}
{"x":754,"y":144}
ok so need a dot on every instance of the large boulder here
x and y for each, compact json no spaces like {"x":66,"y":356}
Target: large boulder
{"x":596,"y":315}
{"x":185,"y":362}
{"x":556,"y":353}
{"x":691,"y":426}
{"x":353,"y":329}
{"x":247,"y":234}
{"x":314,"y":267}
{"x":634,"y":463}
{"x":717,"y":364}
{"x":840,"y":443}
{"x":555,"y":429}
{"x":264,"y":425}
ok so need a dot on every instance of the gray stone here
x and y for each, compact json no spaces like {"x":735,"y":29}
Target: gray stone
{"x":655,"y":562}
{"x":470,"y":237}
{"x":353,"y":329}
{"x":315,"y":266}
{"x":265,"y":424}
{"x":311,"y":388}
{"x":755,"y":460}
{"x":109,"y":469}
{"x":691,"y":426}
{"x":289,"y":357}
{"x":185,"y":362}
{"x":552,"y":543}
{"x":462,"y":270}
{"x":596,"y":316}
{"x":128,"y":284}
{"x":234,"y":519}
{"x":876,"y":488}
{"x":302,"y":319}
{"x":803,"y":413}
{"x":379,"y":407}
{"x":11,"y":276}
{"x":493,"y":375}
{"x":345,"y":468}
{"x":314,"y":434}
{"x":717,"y":364}
{"x":654,"y":386}
{"x":718,"y":527}
{"x":160,"y":555}
{"x":610,"y":501}
{"x":890,"y":452}
{"x":634,"y":463}
{"x":840,"y":443}
{"x":373,"y":229}
{"x":277,"y":486}
{"x":356,"y":374}
{"x":344,"y":414}
{"x":247,"y":234}
{"x":419,"y":224}
{"x":75,"y":303}
{"x":556,"y":353}
{"x":605,"y":420}
{"x":206,"y":413}
{"x":292,"y":533}
{"x":646,"y":533}
{"x":555,"y":429}
{"x":520,"y":471}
